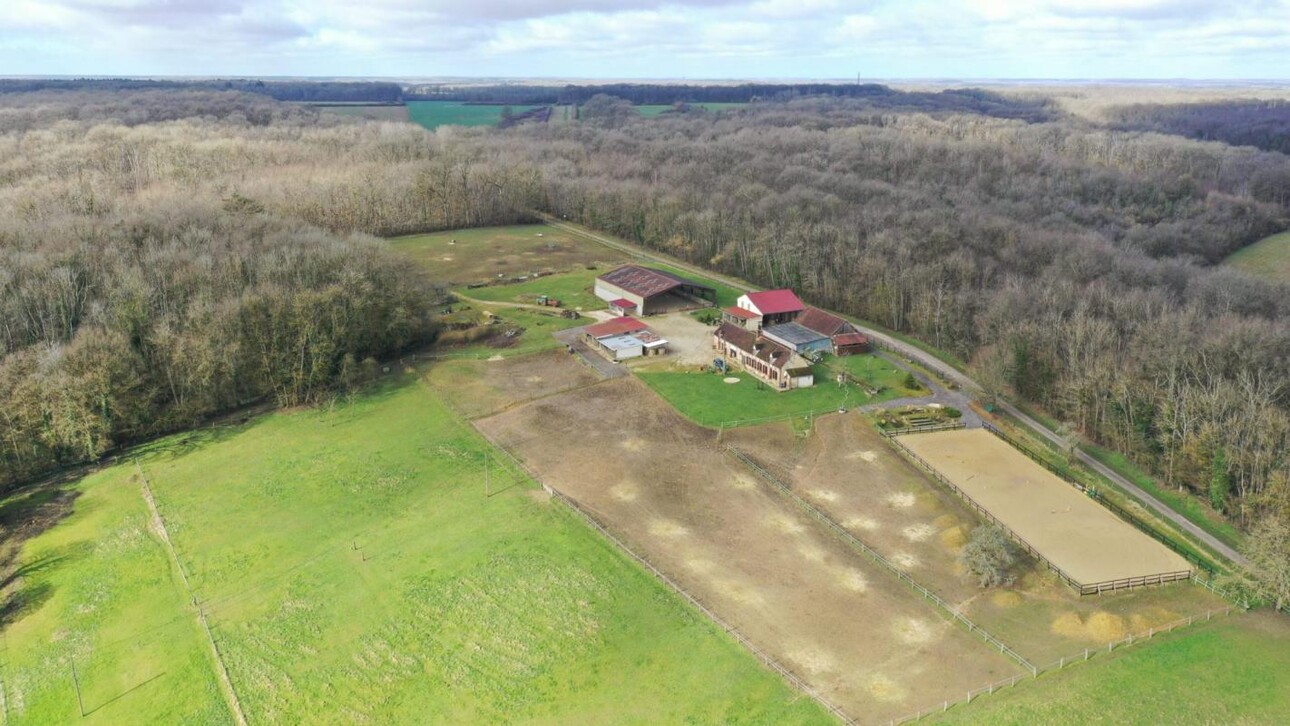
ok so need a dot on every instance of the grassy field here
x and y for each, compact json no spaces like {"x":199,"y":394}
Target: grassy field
{"x":879,"y":372}
{"x":651,"y":110}
{"x":1269,"y":257}
{"x":706,"y":399}
{"x":96,"y":589}
{"x":352,"y":566}
{"x":572,"y":289}
{"x":433,"y":114}
{"x":1231,"y":671}
{"x":465,"y":256}
{"x":535,"y":336}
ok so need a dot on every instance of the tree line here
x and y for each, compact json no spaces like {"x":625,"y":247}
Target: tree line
{"x":1261,"y":123}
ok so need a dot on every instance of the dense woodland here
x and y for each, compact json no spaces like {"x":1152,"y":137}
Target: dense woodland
{"x":155,"y":269}
{"x":1263,"y":124}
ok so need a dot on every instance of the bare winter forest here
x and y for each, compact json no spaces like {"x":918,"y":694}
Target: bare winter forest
{"x":169,"y":254}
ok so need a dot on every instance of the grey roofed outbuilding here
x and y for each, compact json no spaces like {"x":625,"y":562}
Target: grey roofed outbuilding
{"x":793,"y":334}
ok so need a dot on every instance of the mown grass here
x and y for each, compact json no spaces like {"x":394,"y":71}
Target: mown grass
{"x":97,"y":591}
{"x":706,"y":399}
{"x":1227,"y":672}
{"x":537,"y":334}
{"x":354,"y":568}
{"x":878,"y":372}
{"x":433,"y":114}
{"x":1269,"y":257}
{"x":573,"y":290}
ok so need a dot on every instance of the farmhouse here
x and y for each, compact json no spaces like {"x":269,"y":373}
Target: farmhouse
{"x":623,"y":338}
{"x":648,"y":291}
{"x":843,"y":337}
{"x":768,"y":361}
{"x":770,"y":307}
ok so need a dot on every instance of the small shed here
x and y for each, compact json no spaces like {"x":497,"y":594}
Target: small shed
{"x":622,"y":306}
{"x":850,"y":344}
{"x":622,"y":347}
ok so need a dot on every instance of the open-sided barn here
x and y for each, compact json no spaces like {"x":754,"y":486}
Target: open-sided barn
{"x":649,"y":291}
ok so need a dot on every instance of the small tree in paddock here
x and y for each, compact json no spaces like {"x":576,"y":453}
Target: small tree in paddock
{"x":990,"y":555}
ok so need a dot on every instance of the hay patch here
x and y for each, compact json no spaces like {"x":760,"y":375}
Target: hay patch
{"x":906,"y":561}
{"x":812,"y":660}
{"x":1005,"y":599}
{"x":667,"y":528}
{"x":742,"y":482}
{"x":945,"y":521}
{"x":853,"y":580}
{"x":901,"y":500}
{"x":1151,"y":617}
{"x":1068,"y":625}
{"x":953,"y":538}
{"x":918,"y":532}
{"x":633,"y":444}
{"x":699,"y":566}
{"x":914,"y":631}
{"x":739,"y":592}
{"x":785,"y":524}
{"x":1100,"y":627}
{"x":811,"y":553}
{"x":884,"y":689}
{"x":862,"y":523}
{"x":624,"y":492}
{"x":868,"y":457}
{"x":824,"y":495}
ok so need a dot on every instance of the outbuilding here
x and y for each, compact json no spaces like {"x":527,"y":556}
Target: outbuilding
{"x":652,"y":291}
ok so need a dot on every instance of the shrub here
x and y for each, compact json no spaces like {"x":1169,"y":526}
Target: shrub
{"x":951,"y":412}
{"x":990,"y":555}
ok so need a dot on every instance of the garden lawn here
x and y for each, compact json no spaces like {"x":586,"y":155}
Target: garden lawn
{"x":1230,"y":671}
{"x":97,"y":589}
{"x":355,"y":570}
{"x":706,"y":399}
{"x":879,"y":372}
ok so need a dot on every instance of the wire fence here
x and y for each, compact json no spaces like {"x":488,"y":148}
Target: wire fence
{"x":781,"y":417}
{"x":586,"y":514}
{"x":904,"y":577}
{"x":1061,"y":663}
{"x":923,"y":429}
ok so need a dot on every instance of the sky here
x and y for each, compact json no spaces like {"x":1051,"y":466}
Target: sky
{"x":611,"y":39}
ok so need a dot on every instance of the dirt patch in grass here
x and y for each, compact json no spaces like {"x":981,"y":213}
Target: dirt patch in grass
{"x":829,"y":614}
{"x":467,"y":256}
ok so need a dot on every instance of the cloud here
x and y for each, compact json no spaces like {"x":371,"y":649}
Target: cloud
{"x":653,"y":38}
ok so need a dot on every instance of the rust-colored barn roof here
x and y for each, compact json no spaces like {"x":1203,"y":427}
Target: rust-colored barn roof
{"x":616,"y":326}
{"x":740,"y":312}
{"x":823,"y":323}
{"x":846,"y":340}
{"x":646,"y":281}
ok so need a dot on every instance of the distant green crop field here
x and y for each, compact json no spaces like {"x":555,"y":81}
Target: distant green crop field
{"x":650,"y":110}
{"x":1269,"y":257}
{"x":353,"y":570}
{"x":374,"y":112}
{"x":433,"y":114}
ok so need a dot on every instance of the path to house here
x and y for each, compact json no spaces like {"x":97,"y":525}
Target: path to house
{"x":941,"y":368}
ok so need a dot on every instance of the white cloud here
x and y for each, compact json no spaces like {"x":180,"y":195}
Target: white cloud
{"x":657,"y":38}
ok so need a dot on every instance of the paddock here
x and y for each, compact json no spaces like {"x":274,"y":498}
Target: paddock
{"x":1082,"y":540}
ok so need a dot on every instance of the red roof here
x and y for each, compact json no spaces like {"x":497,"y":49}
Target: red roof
{"x":740,"y":313}
{"x":617,"y":326}
{"x":622,"y":303}
{"x":646,"y":281}
{"x":848,"y":339}
{"x":772,"y":302}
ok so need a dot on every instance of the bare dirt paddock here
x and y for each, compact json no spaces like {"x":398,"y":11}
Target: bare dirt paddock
{"x":845,"y":626}
{"x":1073,"y":532}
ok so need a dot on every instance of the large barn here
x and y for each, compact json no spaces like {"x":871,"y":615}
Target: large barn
{"x":647,"y":291}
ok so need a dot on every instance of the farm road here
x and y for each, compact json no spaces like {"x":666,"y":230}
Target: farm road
{"x":950,"y":373}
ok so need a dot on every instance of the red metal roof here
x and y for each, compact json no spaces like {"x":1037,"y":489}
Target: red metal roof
{"x":617,"y":326}
{"x":622,"y":303}
{"x":740,"y":313}
{"x":847,"y":339}
{"x":773,"y":302}
{"x":823,"y":323}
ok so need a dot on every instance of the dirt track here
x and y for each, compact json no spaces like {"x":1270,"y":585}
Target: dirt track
{"x":829,"y":614}
{"x":1074,"y":532}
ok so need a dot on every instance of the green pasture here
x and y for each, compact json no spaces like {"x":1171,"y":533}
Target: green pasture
{"x":465,"y":256}
{"x":1230,"y":671}
{"x":572,"y":289}
{"x":1269,"y":257}
{"x":353,"y":570}
{"x":708,"y":400}
{"x":433,"y":114}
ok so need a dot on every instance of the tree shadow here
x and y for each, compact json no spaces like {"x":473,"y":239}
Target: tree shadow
{"x":24,"y":514}
{"x":124,"y":693}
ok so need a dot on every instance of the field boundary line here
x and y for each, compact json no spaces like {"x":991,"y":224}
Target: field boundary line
{"x":226,"y":684}
{"x":873,"y":554}
{"x":1057,"y":665}
{"x":572,"y":505}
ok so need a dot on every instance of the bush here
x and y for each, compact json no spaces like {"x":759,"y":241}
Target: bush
{"x":951,"y":412}
{"x":990,"y":555}
{"x":911,"y":382}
